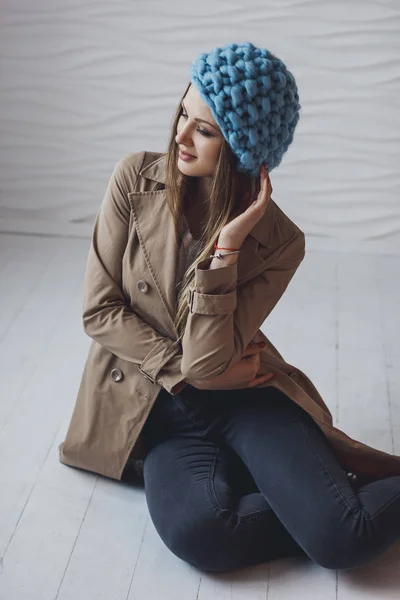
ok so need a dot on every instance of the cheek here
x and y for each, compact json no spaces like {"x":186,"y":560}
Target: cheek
{"x":209,"y":147}
{"x":213,"y":150}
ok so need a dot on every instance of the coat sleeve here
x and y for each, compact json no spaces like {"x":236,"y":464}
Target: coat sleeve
{"x":107,"y":318}
{"x":224,"y":318}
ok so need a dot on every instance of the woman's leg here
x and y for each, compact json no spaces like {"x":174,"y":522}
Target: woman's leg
{"x":198,"y":518}
{"x":197,"y":493}
{"x":295,"y":469}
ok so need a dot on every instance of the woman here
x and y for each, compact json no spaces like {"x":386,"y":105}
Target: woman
{"x":237,"y":467}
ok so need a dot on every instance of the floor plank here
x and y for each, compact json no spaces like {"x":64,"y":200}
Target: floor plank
{"x":67,"y":534}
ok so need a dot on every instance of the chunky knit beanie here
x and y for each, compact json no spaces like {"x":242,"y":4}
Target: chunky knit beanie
{"x":254,"y":100}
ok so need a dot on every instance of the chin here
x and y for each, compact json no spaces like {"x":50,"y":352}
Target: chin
{"x":185,"y":167}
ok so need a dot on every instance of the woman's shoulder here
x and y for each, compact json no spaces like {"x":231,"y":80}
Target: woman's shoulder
{"x":285,"y":227}
{"x":128,"y":167}
{"x":137,"y":161}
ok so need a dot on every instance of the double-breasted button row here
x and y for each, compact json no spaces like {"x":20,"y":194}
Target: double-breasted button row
{"x":116,"y":374}
{"x":142,"y":286}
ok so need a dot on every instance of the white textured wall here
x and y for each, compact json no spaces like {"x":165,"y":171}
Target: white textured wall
{"x":84,"y":82}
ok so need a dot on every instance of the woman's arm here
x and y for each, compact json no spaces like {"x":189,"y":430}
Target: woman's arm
{"x":106,"y":316}
{"x":223,"y":319}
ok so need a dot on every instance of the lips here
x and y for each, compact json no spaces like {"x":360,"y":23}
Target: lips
{"x":186,"y":153}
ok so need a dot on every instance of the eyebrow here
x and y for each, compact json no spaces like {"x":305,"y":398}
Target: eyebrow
{"x":201,"y":120}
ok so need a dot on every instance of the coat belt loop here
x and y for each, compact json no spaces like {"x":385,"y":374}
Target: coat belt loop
{"x":146,"y":375}
{"x":190,"y":298}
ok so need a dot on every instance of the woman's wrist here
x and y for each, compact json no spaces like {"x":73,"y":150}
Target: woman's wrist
{"x":226,"y":241}
{"x":228,"y":259}
{"x":218,"y":263}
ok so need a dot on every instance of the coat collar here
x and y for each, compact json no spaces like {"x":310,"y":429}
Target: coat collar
{"x":262,"y":231}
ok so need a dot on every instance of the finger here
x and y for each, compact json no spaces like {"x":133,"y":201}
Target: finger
{"x":263,"y":179}
{"x":253,"y":344}
{"x":264,"y":172}
{"x":266,"y":187}
{"x":251,"y":351}
{"x":261,"y":380}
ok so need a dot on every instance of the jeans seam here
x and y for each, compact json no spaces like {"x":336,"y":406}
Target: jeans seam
{"x":210,"y":485}
{"x":217,"y":506}
{"x":257,"y":514}
{"x":384,"y":506}
{"x":186,"y":412}
{"x":324,"y":465}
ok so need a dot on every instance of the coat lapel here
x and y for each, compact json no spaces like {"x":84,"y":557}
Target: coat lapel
{"x":155,"y":230}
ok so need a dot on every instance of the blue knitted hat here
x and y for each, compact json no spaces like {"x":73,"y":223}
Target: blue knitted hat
{"x":254,"y":100}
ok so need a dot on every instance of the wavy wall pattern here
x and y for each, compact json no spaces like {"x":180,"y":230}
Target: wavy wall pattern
{"x":83,"y":83}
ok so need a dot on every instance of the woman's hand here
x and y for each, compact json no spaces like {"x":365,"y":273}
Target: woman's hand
{"x":236,"y":231}
{"x":241,"y":375}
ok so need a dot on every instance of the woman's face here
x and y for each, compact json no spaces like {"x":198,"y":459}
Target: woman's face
{"x":203,"y":140}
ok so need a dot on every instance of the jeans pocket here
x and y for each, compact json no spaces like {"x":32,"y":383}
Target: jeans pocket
{"x":193,"y":411}
{"x":202,"y":407}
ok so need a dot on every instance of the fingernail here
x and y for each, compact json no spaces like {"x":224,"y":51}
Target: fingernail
{"x":261,"y":344}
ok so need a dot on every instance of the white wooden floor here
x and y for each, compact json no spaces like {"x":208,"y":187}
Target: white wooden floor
{"x":70,"y":535}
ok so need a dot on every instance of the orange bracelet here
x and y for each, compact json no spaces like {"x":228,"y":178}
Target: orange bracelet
{"x":220,"y":248}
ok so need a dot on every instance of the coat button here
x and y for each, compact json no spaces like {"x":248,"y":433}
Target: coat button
{"x":116,"y":374}
{"x":142,"y":286}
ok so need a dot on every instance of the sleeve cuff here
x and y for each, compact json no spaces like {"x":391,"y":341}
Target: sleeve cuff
{"x":215,"y":281}
{"x":157,"y":359}
{"x":211,"y":304}
{"x":163,"y":366}
{"x":171,"y":376}
{"x":214,"y":290}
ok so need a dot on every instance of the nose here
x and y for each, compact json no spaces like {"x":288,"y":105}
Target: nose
{"x":183,"y":136}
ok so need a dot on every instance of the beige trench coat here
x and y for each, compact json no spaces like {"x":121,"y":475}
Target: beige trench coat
{"x":128,"y":311}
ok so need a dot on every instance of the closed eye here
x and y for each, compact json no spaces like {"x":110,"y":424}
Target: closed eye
{"x":202,"y":131}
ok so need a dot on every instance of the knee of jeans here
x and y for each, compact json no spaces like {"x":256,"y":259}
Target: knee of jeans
{"x":199,"y":540}
{"x":340,"y":552}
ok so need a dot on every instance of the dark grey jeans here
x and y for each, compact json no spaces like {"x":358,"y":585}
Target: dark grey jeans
{"x":238,"y":477}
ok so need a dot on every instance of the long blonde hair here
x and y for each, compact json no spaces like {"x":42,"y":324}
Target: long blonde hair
{"x":231,"y":193}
